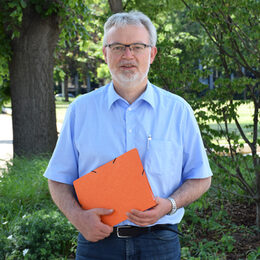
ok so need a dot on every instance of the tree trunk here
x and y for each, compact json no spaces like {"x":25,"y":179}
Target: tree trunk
{"x":257,"y":195}
{"x":258,"y":217}
{"x":66,"y":83}
{"x":31,"y":84}
{"x":116,"y":6}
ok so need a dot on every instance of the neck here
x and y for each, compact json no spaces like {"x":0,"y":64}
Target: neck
{"x":130,"y":92}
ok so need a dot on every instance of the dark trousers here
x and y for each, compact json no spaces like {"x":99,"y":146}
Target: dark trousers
{"x":154,"y":245}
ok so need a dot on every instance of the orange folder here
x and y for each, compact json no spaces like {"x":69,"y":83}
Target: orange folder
{"x":120,"y":184}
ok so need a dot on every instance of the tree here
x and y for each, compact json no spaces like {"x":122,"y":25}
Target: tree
{"x":116,"y":6}
{"x":233,"y":33}
{"x":31,"y":30}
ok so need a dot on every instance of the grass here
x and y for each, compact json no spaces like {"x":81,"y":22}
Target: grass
{"x":245,"y":118}
{"x":245,"y":112}
{"x":28,"y":188}
{"x":61,"y":108}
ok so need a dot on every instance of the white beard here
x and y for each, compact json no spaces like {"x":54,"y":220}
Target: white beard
{"x":129,"y":78}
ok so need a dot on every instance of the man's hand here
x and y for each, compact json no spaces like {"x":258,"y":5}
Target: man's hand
{"x":188,"y":192}
{"x":150,"y":216}
{"x":88,"y":222}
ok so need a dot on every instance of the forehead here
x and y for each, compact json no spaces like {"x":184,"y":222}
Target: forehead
{"x":128,"y":34}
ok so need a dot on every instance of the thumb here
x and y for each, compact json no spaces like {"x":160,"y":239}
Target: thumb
{"x":102,"y":211}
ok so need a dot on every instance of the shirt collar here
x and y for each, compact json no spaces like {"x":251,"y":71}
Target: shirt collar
{"x":112,"y":96}
{"x":147,"y":96}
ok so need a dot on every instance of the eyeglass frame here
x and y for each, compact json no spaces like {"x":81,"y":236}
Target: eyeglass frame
{"x":128,"y":45}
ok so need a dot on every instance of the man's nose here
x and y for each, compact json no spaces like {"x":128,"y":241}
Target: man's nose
{"x":127,"y":52}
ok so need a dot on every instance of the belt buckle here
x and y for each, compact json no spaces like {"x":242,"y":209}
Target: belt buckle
{"x":118,"y":231}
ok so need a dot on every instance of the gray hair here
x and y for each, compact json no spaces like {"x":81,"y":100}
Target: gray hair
{"x":131,"y":18}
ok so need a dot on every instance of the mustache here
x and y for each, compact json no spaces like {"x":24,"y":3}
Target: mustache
{"x":127,"y":63}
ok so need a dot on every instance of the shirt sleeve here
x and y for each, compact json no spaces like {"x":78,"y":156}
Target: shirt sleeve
{"x":63,"y":166}
{"x":195,"y":160}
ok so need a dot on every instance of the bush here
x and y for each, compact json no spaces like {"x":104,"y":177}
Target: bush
{"x":40,"y":235}
{"x":31,"y":227}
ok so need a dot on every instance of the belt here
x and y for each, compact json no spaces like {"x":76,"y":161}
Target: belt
{"x":133,"y":231}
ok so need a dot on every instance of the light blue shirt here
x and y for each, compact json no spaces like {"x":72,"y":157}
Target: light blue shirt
{"x":101,"y":125}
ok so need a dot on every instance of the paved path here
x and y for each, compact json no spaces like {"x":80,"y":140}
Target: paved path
{"x":6,"y":140}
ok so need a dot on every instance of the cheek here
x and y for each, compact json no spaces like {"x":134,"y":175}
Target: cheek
{"x":112,"y":61}
{"x":144,"y":65}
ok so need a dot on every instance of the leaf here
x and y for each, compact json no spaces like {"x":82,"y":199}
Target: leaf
{"x":23,"y":4}
{"x":38,"y":8}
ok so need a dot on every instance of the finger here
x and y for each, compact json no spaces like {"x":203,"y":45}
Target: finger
{"x":139,"y":220}
{"x":106,"y":228}
{"x":146,"y":214}
{"x":102,"y":234}
{"x":102,"y":211}
{"x":139,"y":214}
{"x":143,"y":218}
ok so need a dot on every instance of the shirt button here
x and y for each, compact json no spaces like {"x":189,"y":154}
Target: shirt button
{"x":130,"y":131}
{"x":129,"y":109}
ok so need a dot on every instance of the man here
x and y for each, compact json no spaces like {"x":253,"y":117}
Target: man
{"x":130,"y":113}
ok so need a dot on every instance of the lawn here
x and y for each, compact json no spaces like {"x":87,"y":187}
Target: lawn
{"x":245,"y":112}
{"x":61,"y":107}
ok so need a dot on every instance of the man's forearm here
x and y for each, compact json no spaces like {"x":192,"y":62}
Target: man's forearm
{"x":88,"y":222}
{"x":190,"y":191}
{"x":63,"y":196}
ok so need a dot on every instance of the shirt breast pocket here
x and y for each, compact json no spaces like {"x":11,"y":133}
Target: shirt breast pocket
{"x":163,"y":157}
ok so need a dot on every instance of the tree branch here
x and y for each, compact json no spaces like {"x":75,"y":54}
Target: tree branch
{"x":218,"y":187}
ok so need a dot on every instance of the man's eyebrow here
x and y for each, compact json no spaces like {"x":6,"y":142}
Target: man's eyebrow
{"x":126,"y":44}
{"x":115,"y":43}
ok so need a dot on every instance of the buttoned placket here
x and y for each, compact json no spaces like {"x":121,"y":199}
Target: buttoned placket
{"x":130,"y":125}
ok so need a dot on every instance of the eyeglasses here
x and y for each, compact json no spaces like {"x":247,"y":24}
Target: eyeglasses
{"x":135,"y":48}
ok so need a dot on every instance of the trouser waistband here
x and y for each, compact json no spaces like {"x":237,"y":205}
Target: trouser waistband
{"x":132,"y":231}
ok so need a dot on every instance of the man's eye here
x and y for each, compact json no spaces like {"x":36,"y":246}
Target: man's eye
{"x":118,"y":48}
{"x":137,"y":47}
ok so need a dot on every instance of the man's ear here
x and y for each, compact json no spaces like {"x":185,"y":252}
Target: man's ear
{"x":105,"y":53}
{"x":153,"y":54}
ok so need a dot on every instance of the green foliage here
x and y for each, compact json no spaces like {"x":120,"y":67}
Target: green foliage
{"x":5,"y":51}
{"x":31,"y":227}
{"x":103,"y":72}
{"x":253,"y":254}
{"x":209,"y":232}
{"x":81,"y":51}
{"x":28,"y":186}
{"x":228,"y":49}
{"x":232,"y":28}
{"x":72,"y":16}
{"x":43,"y":234}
